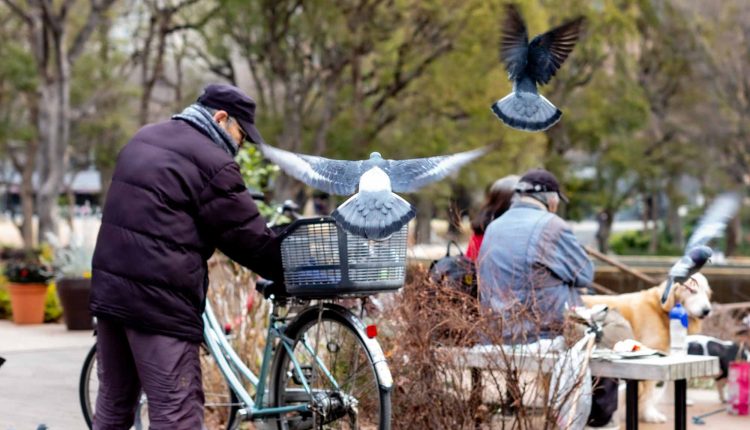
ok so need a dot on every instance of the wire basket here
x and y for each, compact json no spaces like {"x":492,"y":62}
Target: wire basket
{"x":321,"y":260}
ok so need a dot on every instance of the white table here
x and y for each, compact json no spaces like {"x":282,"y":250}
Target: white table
{"x":653,"y":368}
{"x":678,"y":368}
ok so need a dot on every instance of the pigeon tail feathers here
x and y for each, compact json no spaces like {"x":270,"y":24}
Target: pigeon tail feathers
{"x":374,"y":215}
{"x":526,"y":111}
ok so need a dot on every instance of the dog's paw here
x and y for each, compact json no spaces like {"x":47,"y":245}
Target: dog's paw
{"x":651,"y":415}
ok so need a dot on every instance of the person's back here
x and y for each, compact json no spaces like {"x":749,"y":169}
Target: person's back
{"x":529,"y":266}
{"x":176,"y":196}
{"x":158,"y":229}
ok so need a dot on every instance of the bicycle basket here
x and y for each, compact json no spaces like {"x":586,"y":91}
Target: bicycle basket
{"x":321,"y":260}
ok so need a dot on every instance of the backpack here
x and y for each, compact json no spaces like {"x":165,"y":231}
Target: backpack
{"x":456,"y":271}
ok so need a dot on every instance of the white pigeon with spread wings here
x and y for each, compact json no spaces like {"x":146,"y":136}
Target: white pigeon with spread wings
{"x":374,"y":211}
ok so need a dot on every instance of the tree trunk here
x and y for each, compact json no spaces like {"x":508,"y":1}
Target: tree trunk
{"x":423,"y":230}
{"x":27,"y":207}
{"x":27,"y":184}
{"x":734,"y":235}
{"x":675,"y":224}
{"x":605,"y":219}
{"x":105,"y":175}
{"x":654,"y":217}
{"x":54,"y":128}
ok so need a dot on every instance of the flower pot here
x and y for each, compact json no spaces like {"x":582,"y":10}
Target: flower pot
{"x":27,"y":302}
{"x":74,"y":297}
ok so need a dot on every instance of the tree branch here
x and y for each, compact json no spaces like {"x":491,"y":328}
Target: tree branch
{"x":97,"y":10}
{"x":18,"y":11}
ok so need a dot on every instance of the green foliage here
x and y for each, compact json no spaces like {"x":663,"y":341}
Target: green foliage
{"x":52,"y":307}
{"x":17,"y":67}
{"x":257,"y":173}
{"x":5,"y":309}
{"x":636,"y":242}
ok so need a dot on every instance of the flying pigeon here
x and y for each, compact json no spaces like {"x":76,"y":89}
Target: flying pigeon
{"x":712,"y":225}
{"x":374,"y":212}
{"x":529,"y":64}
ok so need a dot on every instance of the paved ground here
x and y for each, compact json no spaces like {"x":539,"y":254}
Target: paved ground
{"x":39,"y":382}
{"x":705,"y":401}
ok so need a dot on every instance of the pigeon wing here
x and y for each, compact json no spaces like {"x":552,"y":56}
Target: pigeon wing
{"x":715,"y":221}
{"x":548,"y":51}
{"x":681,"y":268}
{"x":332,"y":176}
{"x":409,"y":175}
{"x":514,"y":43}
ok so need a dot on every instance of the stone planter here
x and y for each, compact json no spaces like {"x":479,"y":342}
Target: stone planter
{"x":74,"y":297}
{"x":27,"y":302}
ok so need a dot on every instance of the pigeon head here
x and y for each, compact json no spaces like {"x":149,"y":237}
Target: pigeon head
{"x":375,"y":160}
{"x":700,"y":254}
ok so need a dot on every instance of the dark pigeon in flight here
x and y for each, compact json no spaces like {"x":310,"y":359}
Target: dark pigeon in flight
{"x":697,"y":253}
{"x":529,"y":65}
{"x":374,"y":212}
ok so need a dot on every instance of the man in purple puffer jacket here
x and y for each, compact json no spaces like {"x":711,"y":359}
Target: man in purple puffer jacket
{"x":176,"y":196}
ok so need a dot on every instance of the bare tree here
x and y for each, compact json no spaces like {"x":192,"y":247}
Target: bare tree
{"x":164,"y":18}
{"x":312,"y":64}
{"x":56,"y":41}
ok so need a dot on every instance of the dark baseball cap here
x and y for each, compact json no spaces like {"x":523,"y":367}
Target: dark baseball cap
{"x":540,"y":181}
{"x":236,"y":103}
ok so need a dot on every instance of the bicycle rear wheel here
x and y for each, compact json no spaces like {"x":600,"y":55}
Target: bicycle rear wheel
{"x":220,"y":403}
{"x":350,"y":396}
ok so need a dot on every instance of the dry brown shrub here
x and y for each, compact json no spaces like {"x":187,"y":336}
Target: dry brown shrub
{"x":436,"y":390}
{"x":727,"y":324}
{"x":230,"y":288}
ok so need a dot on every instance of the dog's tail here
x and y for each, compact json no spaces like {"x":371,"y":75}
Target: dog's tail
{"x":526,"y":111}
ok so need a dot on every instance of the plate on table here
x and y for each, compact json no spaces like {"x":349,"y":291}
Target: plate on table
{"x":640,"y":353}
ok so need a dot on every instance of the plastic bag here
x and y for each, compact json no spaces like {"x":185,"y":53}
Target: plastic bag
{"x":570,"y":387}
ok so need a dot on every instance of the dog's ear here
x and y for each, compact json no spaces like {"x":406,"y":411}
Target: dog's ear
{"x":669,"y":304}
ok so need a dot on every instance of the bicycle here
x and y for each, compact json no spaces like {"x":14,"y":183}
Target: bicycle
{"x":323,"y":366}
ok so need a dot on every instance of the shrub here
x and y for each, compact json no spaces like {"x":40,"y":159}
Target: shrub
{"x":434,"y":390}
{"x":636,"y":242}
{"x":5,"y":311}
{"x":52,"y":308}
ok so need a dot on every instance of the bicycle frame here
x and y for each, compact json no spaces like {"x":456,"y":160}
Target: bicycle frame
{"x":233,"y":368}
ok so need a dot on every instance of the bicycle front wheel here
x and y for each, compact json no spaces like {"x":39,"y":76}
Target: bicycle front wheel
{"x":337,"y":362}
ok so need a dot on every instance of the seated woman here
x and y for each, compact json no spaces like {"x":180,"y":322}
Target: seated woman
{"x":498,"y":200}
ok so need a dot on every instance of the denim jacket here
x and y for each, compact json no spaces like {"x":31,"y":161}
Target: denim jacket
{"x":529,"y":266}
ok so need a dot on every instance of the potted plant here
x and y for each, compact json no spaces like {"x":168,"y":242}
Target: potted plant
{"x":27,"y":287}
{"x":72,"y":265}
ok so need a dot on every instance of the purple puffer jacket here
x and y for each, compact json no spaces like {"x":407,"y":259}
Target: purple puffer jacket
{"x":175,"y":198}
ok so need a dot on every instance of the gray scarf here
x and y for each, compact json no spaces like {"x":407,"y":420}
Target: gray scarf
{"x":198,"y":116}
